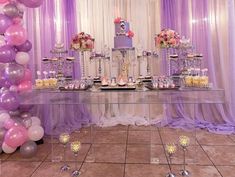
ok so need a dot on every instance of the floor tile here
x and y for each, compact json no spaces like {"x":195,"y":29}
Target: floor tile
{"x":18,"y":168}
{"x":144,"y":137}
{"x":226,"y":170}
{"x":102,"y":170}
{"x":142,"y":128}
{"x":169,"y":135}
{"x":197,"y":170}
{"x":58,"y":151}
{"x":144,"y":154}
{"x":118,"y":137}
{"x":221,"y":155}
{"x":114,"y":153}
{"x":146,"y":170}
{"x":42,"y":153}
{"x":4,"y":156}
{"x":193,"y":155}
{"x":52,"y":169}
{"x":207,"y":138}
{"x":113,"y":128}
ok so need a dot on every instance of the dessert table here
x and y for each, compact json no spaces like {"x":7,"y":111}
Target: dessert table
{"x":173,"y":102}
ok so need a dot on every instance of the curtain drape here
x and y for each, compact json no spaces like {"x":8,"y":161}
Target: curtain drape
{"x":208,"y":23}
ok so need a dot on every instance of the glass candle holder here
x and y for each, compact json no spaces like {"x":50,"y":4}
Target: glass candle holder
{"x":75,"y":148}
{"x":184,"y":143}
{"x":64,"y":139}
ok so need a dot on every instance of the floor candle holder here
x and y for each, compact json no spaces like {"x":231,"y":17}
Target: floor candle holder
{"x":64,"y":139}
{"x":184,"y":143}
{"x":75,"y":148}
{"x":170,"y":149}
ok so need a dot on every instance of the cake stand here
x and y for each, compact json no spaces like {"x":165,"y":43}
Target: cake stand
{"x":95,"y":56}
{"x":147,"y":55}
{"x":124,"y":63}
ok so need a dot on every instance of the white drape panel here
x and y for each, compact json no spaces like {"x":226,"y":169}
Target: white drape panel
{"x":96,"y":17}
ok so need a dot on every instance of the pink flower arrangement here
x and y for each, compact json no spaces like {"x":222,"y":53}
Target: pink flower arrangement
{"x":82,"y":42}
{"x":130,"y":34}
{"x":117,"y":20}
{"x":167,"y":38}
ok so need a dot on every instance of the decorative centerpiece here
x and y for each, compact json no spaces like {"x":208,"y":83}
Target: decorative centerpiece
{"x":167,"y":38}
{"x":82,"y":42}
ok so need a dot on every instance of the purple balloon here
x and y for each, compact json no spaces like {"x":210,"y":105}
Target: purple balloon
{"x":5,"y":22}
{"x":7,"y":54}
{"x":9,"y":101}
{"x":26,"y":47}
{"x":31,"y":3}
{"x":14,"y":73}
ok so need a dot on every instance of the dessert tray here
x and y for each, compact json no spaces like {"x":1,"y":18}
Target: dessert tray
{"x":126,"y":87}
{"x":151,"y":87}
{"x":73,"y":89}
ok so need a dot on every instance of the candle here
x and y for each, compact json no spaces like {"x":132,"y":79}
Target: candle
{"x":184,"y":141}
{"x":64,"y":138}
{"x":171,"y":148}
{"x":75,"y":146}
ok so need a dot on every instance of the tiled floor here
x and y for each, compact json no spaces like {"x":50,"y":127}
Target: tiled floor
{"x":127,"y":151}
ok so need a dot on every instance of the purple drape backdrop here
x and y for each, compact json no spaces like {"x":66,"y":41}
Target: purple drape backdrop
{"x":57,"y":118}
{"x":175,"y":15}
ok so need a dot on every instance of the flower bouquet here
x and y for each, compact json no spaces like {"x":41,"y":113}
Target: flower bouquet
{"x":167,"y":38}
{"x":82,"y":42}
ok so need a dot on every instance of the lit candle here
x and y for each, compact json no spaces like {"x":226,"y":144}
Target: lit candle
{"x":171,"y":148}
{"x":64,"y":138}
{"x":75,"y":146}
{"x":184,"y":141}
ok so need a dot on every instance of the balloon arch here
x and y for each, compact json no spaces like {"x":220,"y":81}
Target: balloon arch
{"x":18,"y":128}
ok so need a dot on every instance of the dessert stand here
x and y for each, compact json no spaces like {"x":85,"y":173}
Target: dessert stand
{"x":147,"y":55}
{"x":99,"y":57}
{"x":125,"y":63}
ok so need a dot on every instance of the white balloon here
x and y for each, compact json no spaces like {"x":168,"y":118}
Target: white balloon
{"x":7,"y":149}
{"x":2,"y":41}
{"x":22,"y":58}
{"x":4,"y":116}
{"x":21,"y":7}
{"x":35,"y":132}
{"x":35,"y":121}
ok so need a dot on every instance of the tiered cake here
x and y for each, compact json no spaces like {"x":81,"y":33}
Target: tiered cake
{"x":123,"y":38}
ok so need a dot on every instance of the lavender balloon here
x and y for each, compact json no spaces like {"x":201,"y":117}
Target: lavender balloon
{"x":7,"y":54}
{"x":31,"y":3}
{"x":11,"y":10}
{"x":9,"y":101}
{"x":5,"y":22}
{"x":14,"y":73}
{"x":26,"y":47}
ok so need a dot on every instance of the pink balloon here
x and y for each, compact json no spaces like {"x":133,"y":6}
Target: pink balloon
{"x":25,"y":86}
{"x":27,"y":75}
{"x":16,"y":35}
{"x":3,"y":1}
{"x":16,"y":136}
